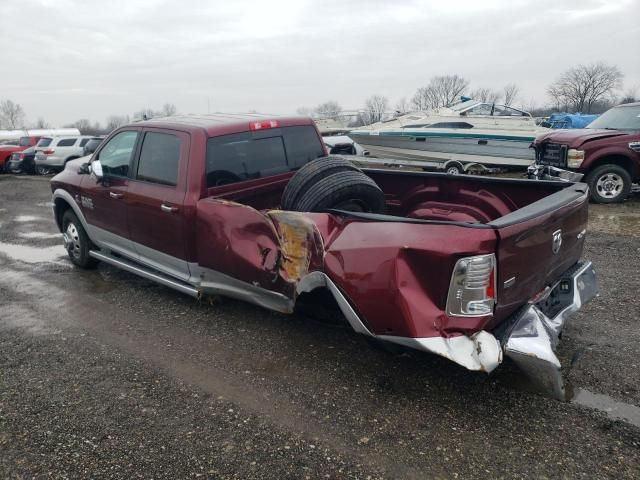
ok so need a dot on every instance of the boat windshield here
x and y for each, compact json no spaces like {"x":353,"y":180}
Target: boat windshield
{"x":464,"y":105}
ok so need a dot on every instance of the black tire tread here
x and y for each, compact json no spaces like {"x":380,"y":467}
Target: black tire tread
{"x":311,"y":173}
{"x":338,"y":187}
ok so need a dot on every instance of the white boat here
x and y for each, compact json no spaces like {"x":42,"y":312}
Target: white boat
{"x":36,"y":132}
{"x":458,"y":138}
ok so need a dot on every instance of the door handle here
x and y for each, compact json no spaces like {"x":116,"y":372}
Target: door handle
{"x":168,"y":208}
{"x":115,"y":195}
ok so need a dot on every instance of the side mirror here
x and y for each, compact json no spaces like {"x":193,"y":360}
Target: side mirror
{"x":84,"y":169}
{"x":96,"y":170}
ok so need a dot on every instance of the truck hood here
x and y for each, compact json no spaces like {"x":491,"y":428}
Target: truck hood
{"x":579,"y":136}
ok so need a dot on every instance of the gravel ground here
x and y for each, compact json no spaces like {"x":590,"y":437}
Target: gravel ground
{"x":106,"y":375}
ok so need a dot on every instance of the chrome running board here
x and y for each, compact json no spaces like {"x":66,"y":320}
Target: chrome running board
{"x":145,"y":272}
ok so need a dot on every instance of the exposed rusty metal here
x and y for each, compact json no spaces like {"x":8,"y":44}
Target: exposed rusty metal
{"x":298,"y":239}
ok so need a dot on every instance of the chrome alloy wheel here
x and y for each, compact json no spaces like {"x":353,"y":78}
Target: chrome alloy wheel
{"x":610,"y":185}
{"x":71,"y":239}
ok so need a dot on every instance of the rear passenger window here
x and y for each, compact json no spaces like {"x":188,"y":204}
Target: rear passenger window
{"x":66,"y":142}
{"x":237,"y":157}
{"x":302,"y":145}
{"x":241,"y":156}
{"x":159,"y":158}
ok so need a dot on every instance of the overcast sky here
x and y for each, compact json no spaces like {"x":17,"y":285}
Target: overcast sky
{"x":63,"y":60}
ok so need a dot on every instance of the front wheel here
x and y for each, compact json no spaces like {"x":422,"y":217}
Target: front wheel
{"x":76,"y":241}
{"x":454,"y":169}
{"x":609,"y":184}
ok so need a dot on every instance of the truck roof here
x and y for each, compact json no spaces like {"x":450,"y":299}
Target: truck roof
{"x":224,"y":123}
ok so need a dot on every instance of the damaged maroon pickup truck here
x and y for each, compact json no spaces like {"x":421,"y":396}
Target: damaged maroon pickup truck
{"x":466,"y":267}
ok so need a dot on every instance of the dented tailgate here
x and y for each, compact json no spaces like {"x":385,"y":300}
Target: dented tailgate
{"x":537,"y":243}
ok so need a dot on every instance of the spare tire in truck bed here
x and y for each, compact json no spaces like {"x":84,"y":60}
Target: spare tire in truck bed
{"x":347,"y":190}
{"x":312,"y":173}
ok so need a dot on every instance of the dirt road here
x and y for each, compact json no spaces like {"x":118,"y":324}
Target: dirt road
{"x":106,"y":375}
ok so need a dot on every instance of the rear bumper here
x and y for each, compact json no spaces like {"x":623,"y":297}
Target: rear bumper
{"x":50,"y":161}
{"x":529,"y":337}
{"x":20,"y":165}
{"x":534,"y":331}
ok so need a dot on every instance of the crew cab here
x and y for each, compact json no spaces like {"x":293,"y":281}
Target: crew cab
{"x":606,"y":152}
{"x":466,"y":267}
{"x":6,"y":151}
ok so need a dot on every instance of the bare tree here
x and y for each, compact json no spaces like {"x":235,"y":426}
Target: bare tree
{"x":11,"y":114}
{"x":581,"y":87}
{"x":330,"y":109}
{"x":374,"y":109}
{"x":630,"y":95}
{"x":422,"y":99}
{"x":84,"y":125}
{"x":115,"y":121}
{"x":402,"y":106}
{"x":485,"y":95}
{"x":442,"y":91}
{"x":510,"y":93}
{"x":168,"y":110}
{"x":304,"y":111}
{"x":144,"y":114}
{"x":41,"y":123}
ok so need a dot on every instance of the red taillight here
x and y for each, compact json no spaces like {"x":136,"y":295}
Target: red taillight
{"x":491,"y":288}
{"x":263,"y":125}
{"x":48,"y":152}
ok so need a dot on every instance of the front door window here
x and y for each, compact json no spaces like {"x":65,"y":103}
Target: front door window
{"x":115,"y":157}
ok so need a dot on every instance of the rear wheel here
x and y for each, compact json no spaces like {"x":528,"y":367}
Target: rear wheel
{"x":609,"y":184}
{"x":76,"y":241}
{"x":43,"y":170}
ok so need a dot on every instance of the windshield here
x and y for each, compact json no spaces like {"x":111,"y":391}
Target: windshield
{"x":464,"y":105}
{"x":24,"y":141}
{"x":618,"y":118}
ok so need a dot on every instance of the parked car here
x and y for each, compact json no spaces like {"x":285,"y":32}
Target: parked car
{"x":607,"y":152}
{"x":23,"y":162}
{"x":91,"y":145}
{"x":466,"y":267}
{"x":54,"y":152}
{"x":6,"y":151}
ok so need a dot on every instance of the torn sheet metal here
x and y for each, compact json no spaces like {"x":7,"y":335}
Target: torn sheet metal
{"x":532,"y":340}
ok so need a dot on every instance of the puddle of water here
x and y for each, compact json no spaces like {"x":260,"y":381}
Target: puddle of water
{"x":604,"y":403}
{"x":28,"y":254}
{"x":26,"y":218}
{"x":38,"y":235}
{"x":15,"y":316}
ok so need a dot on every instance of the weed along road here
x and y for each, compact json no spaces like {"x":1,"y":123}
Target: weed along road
{"x":104,"y":374}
